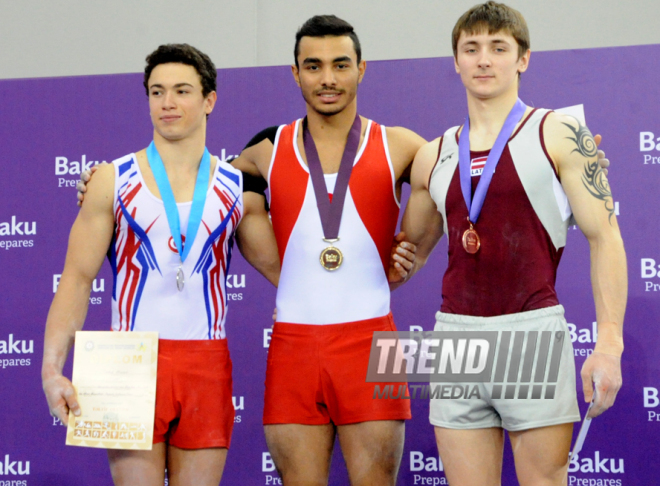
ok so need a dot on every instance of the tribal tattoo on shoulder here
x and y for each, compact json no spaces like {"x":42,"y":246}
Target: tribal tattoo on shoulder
{"x":593,"y":178}
{"x":583,"y":139}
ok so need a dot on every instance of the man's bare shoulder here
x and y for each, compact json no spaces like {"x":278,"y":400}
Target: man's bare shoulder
{"x":425,"y":161}
{"x":566,"y":138}
{"x":257,"y":154}
{"x":559,"y":127}
{"x":429,"y":151}
{"x":403,"y":144}
{"x":404,"y":137}
{"x":100,"y":189}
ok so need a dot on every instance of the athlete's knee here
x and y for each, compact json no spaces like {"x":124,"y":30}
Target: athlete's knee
{"x":296,"y":463}
{"x":137,"y":468}
{"x":380,"y":472}
{"x":377,"y":464}
{"x":547,"y":475}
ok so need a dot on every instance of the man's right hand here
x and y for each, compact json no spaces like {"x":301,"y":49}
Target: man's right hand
{"x":81,"y":187}
{"x":601,"y":371}
{"x":61,"y":397}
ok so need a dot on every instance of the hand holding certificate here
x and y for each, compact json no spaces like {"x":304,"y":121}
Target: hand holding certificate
{"x":114,"y":374}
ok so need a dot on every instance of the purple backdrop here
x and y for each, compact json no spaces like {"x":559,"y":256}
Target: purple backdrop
{"x":53,"y":125}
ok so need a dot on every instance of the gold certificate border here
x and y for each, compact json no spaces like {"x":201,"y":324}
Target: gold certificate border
{"x":87,"y":430}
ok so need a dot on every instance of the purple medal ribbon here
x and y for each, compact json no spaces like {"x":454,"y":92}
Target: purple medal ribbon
{"x":330,"y":213}
{"x":474,"y":205}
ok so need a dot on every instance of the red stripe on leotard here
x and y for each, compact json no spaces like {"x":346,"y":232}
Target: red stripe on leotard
{"x":372,"y":190}
{"x":288,"y":184}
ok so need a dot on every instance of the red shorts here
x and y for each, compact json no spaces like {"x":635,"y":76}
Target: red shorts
{"x":194,"y":408}
{"x":317,"y":374}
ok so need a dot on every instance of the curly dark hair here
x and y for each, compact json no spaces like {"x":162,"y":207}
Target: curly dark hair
{"x":183,"y":54}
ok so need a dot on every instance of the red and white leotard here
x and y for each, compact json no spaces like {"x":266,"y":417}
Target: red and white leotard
{"x":145,"y":260}
{"x":307,"y":293}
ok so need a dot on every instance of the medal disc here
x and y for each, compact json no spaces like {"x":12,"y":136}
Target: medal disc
{"x":331,"y":258}
{"x":471,"y":241}
{"x":180,"y":279}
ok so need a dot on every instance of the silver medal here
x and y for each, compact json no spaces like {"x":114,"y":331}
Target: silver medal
{"x":180,"y":279}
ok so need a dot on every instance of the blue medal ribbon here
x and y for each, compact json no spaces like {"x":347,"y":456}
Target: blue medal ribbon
{"x":166,"y":194}
{"x":475,"y":204}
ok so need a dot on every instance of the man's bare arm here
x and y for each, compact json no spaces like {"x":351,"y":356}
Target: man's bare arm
{"x":256,"y":239}
{"x":574,"y":151}
{"x":422,"y":223}
{"x":255,"y":236}
{"x":85,"y":177}
{"x":88,"y":243}
{"x":255,"y":157}
{"x":403,"y":145}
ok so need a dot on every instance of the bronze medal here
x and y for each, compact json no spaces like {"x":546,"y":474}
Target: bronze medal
{"x":471,"y":241}
{"x":474,"y":203}
{"x":331,"y":258}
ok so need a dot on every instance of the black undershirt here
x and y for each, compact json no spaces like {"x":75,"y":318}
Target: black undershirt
{"x":269,"y":133}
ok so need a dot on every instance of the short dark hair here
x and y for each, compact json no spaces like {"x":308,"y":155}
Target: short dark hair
{"x":326,"y":25}
{"x":183,"y":54}
{"x":493,"y":17}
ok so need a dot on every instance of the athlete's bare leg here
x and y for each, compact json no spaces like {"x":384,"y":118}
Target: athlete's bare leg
{"x":541,"y":454}
{"x":198,"y":467}
{"x":138,"y":468}
{"x":372,"y":451}
{"x":301,"y":453}
{"x":471,"y":457}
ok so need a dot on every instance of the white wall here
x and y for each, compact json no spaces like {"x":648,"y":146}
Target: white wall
{"x":78,"y":37}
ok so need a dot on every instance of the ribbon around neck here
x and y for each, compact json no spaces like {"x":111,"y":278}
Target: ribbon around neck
{"x":475,"y":204}
{"x":330,"y":213}
{"x":199,"y":198}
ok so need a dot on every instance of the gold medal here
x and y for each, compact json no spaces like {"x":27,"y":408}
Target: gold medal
{"x":330,"y":211}
{"x":331,"y":257}
{"x":471,"y":241}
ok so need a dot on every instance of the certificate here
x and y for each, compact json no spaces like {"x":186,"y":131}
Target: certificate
{"x":114,"y":374}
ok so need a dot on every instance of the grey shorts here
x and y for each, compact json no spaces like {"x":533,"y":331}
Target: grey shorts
{"x":525,"y":392}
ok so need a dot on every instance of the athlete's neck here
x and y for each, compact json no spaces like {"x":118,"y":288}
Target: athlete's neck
{"x":487,"y":116}
{"x":331,"y":127}
{"x":181,"y":156}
